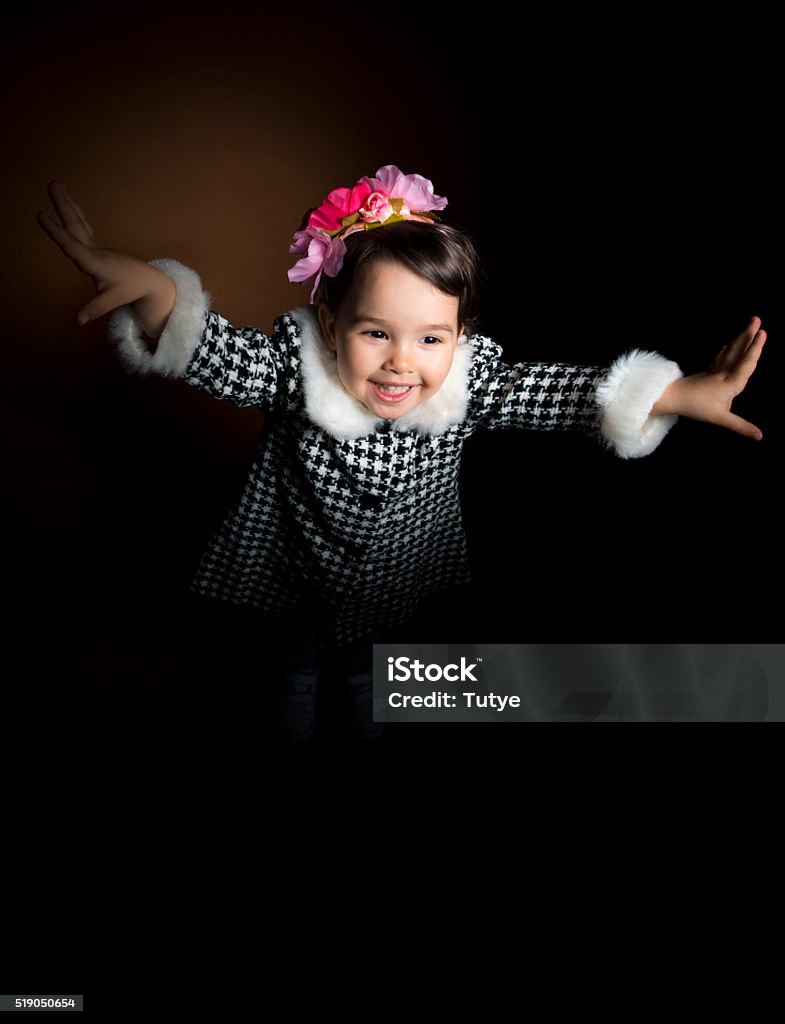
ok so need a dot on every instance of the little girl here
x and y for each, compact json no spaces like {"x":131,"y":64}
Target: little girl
{"x":351,"y":513}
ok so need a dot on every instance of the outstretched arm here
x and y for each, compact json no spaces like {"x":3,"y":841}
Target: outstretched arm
{"x":613,"y":403}
{"x":161,"y":318}
{"x":242,"y":365}
{"x":708,"y":395}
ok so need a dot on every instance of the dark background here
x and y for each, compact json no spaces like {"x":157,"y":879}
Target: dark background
{"x":622,"y":185}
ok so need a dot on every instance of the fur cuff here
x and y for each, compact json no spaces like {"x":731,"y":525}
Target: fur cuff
{"x":632,"y":386}
{"x":180,"y":336}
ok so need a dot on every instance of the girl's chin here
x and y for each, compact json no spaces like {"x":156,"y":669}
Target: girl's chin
{"x":390,"y":412}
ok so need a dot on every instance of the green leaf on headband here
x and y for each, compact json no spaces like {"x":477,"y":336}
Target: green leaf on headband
{"x":396,"y":205}
{"x":390,"y":220}
{"x":382,"y":223}
{"x":348,"y":221}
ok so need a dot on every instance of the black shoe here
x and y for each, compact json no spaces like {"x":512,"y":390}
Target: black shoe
{"x":298,"y":706}
{"x":361,"y":707}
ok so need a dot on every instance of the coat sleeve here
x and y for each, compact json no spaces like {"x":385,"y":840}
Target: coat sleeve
{"x":612,"y":403}
{"x":242,"y":365}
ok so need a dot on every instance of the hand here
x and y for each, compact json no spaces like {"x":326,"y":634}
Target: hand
{"x":708,"y":395}
{"x":118,"y":279}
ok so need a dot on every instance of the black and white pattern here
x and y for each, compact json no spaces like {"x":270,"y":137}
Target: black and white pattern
{"x":347,"y":520}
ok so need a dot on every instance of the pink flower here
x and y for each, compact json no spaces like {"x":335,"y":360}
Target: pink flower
{"x":376,"y":208}
{"x":321,"y":253}
{"x":415,"y":190}
{"x":371,"y":201}
{"x":340,"y":203}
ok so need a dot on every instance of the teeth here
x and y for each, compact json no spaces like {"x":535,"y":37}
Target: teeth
{"x":393,"y":389}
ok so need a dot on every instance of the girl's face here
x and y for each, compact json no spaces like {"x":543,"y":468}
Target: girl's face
{"x":393,"y":328}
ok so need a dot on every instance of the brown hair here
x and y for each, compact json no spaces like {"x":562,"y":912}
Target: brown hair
{"x":443,"y":254}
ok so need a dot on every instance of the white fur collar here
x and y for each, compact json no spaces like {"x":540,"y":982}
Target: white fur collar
{"x":331,"y":406}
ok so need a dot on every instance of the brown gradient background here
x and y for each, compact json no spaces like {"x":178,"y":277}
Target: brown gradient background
{"x":618,"y":200}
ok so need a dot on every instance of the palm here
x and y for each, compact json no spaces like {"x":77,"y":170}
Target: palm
{"x":729,"y":371}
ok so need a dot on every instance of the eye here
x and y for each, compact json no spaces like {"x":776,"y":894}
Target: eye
{"x":432,"y":338}
{"x":373,"y":332}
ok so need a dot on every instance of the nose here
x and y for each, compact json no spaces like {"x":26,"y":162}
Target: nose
{"x":400,"y":359}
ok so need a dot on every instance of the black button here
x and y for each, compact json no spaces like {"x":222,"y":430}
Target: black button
{"x":369,"y":500}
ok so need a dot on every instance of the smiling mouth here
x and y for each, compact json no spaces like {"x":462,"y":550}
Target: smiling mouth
{"x":392,"y":392}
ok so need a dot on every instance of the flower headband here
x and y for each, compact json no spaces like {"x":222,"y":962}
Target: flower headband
{"x":372,"y":203}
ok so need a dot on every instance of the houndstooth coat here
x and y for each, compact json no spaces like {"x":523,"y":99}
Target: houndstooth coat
{"x":347,"y":520}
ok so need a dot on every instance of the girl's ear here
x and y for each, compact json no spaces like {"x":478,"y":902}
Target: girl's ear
{"x":327,"y":322}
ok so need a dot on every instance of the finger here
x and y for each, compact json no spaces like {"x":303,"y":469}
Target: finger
{"x":84,"y":256}
{"x":746,"y":363}
{"x":79,"y":212}
{"x":103,"y":303}
{"x":731,"y":352}
{"x":741,"y":426}
{"x":68,"y":213}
